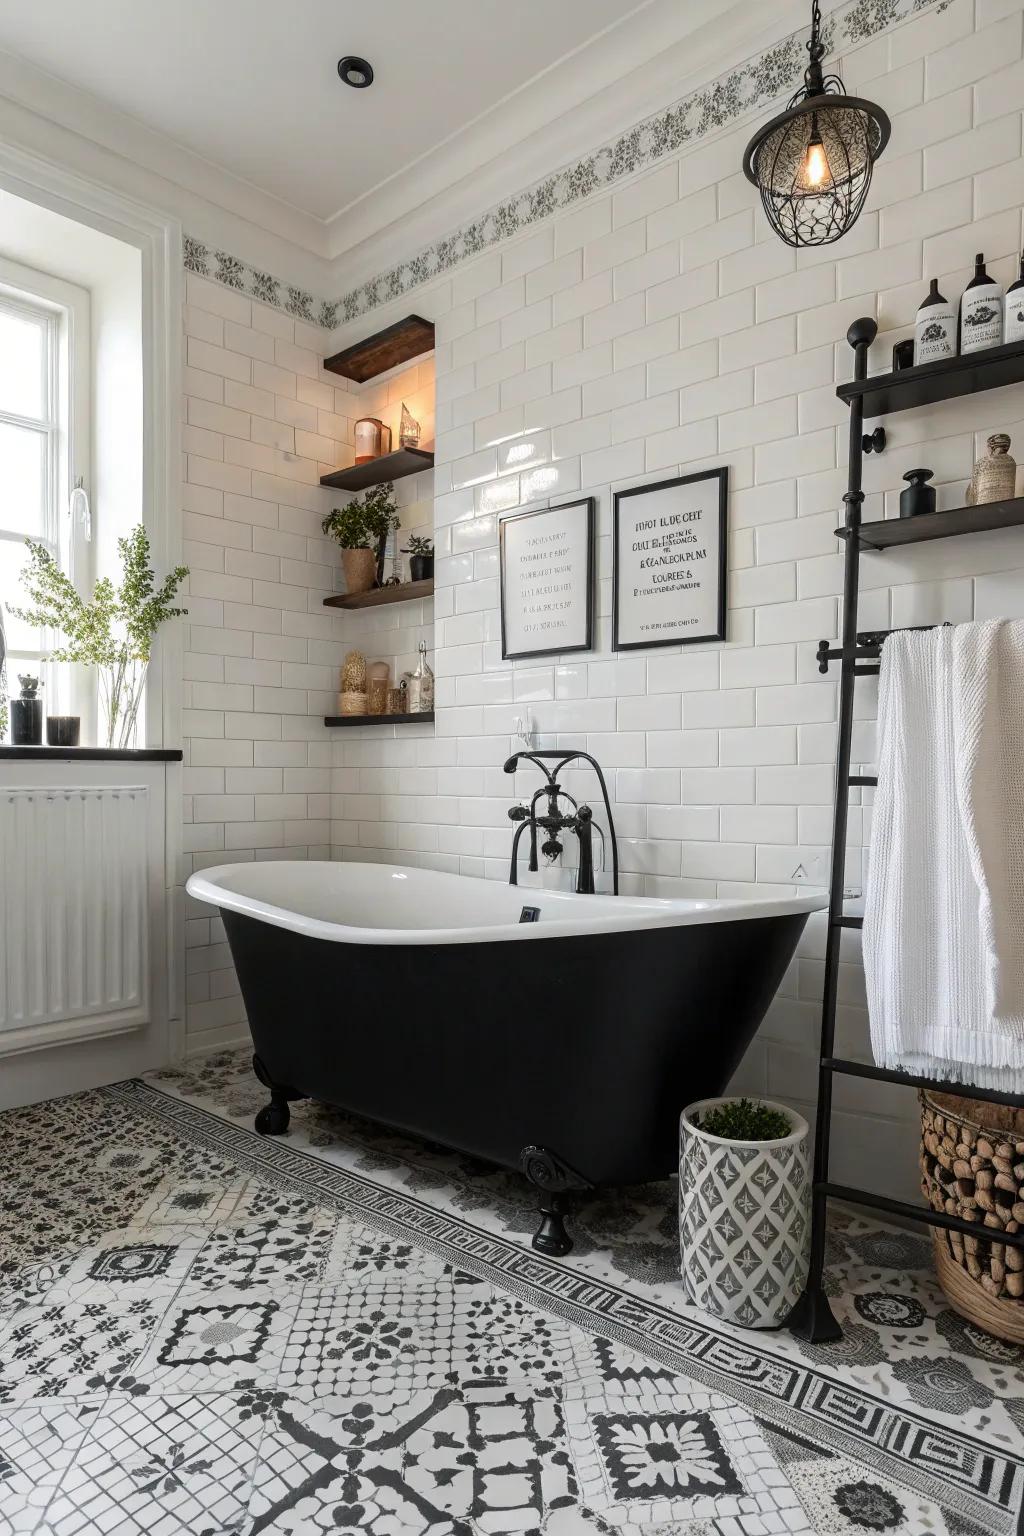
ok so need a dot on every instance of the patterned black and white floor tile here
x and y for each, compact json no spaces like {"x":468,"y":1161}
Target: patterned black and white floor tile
{"x":206,"y":1331}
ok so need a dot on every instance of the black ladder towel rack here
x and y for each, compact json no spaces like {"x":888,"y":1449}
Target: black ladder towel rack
{"x":858,"y":655}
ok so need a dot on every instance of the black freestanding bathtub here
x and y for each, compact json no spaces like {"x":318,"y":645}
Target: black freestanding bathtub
{"x":562,"y":1040}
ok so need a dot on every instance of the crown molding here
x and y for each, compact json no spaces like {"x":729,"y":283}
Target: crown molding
{"x":610,"y":80}
{"x":199,"y":192}
{"x":713,"y":79}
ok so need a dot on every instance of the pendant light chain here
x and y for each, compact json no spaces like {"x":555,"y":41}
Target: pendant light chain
{"x":816,"y":49}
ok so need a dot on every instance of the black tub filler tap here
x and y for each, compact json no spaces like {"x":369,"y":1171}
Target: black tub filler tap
{"x":551,"y":822}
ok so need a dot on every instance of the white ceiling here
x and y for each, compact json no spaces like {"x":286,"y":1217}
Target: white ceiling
{"x":251,"y":86}
{"x":236,"y":109}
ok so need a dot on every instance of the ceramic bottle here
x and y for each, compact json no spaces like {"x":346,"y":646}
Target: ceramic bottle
{"x":1013,"y":326}
{"x":994,"y":475}
{"x":981,"y":311}
{"x":934,"y":328}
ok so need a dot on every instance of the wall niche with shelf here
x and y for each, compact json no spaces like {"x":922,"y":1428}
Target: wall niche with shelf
{"x":385,"y":372}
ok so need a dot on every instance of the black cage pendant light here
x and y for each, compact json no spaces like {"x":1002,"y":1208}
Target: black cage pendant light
{"x":812,"y":164}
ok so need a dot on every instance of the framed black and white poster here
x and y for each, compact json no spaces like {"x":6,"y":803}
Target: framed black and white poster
{"x":670,"y":561}
{"x":547,"y":580}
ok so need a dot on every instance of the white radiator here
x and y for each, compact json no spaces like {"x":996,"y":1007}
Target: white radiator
{"x":74,"y":909}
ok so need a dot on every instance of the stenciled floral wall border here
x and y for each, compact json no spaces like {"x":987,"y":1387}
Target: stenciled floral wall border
{"x":758,"y":83}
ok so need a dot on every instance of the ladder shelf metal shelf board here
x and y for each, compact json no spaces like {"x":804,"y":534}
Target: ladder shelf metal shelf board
{"x":858,"y":655}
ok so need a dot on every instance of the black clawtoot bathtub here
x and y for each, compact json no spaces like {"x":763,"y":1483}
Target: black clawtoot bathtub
{"x":553,"y":1033}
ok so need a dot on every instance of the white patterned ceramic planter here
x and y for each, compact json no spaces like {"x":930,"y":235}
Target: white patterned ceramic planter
{"x":743,"y":1219}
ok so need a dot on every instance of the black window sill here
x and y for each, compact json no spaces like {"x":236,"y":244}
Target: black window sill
{"x":90,"y":754}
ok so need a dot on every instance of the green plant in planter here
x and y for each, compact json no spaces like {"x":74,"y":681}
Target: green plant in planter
{"x":745,"y":1120}
{"x":419,"y":545}
{"x":113,"y":631}
{"x":366,"y":523}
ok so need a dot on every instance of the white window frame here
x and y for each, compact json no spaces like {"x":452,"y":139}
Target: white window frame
{"x":158,"y":237}
{"x":64,"y":310}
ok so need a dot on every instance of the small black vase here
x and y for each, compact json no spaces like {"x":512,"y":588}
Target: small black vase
{"x":421,"y":567}
{"x":919,"y":496}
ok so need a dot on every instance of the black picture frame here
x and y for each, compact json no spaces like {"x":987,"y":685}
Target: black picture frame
{"x":587,"y":644}
{"x":721,"y":606}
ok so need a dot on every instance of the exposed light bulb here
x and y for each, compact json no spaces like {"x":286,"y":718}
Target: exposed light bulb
{"x":816,"y":170}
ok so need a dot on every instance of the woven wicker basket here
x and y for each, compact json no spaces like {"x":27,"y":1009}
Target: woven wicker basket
{"x":972,"y":1166}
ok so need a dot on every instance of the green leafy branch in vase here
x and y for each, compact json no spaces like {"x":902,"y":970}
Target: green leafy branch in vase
{"x":113,"y":631}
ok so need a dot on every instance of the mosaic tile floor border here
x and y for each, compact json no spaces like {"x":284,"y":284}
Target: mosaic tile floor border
{"x":980,"y":1479}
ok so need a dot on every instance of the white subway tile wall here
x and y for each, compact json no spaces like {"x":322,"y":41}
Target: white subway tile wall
{"x":659,"y":329}
{"x":263,"y":422}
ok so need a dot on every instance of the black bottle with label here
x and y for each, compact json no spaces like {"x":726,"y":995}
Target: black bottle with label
{"x":934,"y":328}
{"x":1014,"y":307}
{"x":981,"y":311}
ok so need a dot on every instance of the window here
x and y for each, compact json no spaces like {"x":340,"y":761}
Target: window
{"x":44,"y":449}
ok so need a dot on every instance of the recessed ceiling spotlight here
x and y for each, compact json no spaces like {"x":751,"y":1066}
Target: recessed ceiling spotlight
{"x":355,"y":71}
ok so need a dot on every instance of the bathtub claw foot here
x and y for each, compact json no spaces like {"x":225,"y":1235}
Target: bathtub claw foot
{"x":551,"y":1237}
{"x":554,"y":1179}
{"x":275,"y":1117}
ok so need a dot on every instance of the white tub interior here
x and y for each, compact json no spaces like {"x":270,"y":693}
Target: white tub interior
{"x":393,"y":904}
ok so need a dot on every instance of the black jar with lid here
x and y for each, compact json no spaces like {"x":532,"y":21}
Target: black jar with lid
{"x":27,"y":715}
{"x":919,"y":496}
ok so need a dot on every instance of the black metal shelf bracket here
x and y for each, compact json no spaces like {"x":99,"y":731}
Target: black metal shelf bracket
{"x":858,"y":654}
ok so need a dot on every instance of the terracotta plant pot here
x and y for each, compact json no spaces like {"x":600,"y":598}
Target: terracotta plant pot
{"x":360,"y":567}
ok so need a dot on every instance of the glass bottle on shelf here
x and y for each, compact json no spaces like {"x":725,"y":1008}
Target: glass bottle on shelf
{"x":981,"y":311}
{"x":421,"y":685}
{"x":1014,"y":324}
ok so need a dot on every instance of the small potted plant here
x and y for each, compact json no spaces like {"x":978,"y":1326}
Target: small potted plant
{"x":362,"y":530}
{"x":744,"y":1188}
{"x":421,"y":557}
{"x":112,"y":631}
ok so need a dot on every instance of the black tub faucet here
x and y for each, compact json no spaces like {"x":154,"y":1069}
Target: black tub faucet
{"x":580,"y":821}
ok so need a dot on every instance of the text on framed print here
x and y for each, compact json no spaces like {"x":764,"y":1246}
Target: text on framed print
{"x":547,"y":580}
{"x":670,"y":561}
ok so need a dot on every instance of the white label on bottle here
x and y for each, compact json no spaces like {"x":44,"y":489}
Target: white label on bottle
{"x":934,"y":333}
{"x":1014,"y":315}
{"x":981,"y":318}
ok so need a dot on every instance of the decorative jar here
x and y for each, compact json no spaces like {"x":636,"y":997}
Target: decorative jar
{"x":744,"y":1226}
{"x":27,"y":715}
{"x":995,"y":475}
{"x":372,"y":439}
{"x":63,"y":730}
{"x":377,"y":677}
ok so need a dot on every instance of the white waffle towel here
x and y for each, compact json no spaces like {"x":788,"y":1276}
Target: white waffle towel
{"x":944,"y":918}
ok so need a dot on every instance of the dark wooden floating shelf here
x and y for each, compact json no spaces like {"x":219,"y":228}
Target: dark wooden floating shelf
{"x":948,"y":379}
{"x":940,"y":525}
{"x":391,"y":466}
{"x":378,"y":597}
{"x":379,"y":719}
{"x":398,"y":343}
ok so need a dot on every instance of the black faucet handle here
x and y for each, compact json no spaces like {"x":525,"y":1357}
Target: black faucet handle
{"x":518,"y":813}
